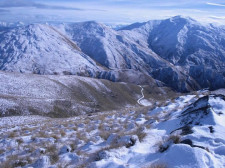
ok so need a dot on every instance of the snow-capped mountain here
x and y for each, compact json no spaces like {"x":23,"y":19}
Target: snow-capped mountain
{"x":117,"y":51}
{"x":59,"y":71}
{"x":180,"y":52}
{"x":7,"y":25}
{"x":112,"y":49}
{"x":41,"y":49}
{"x":198,"y":49}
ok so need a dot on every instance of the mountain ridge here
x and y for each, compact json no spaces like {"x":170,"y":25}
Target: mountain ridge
{"x":179,"y":51}
{"x":41,"y":49}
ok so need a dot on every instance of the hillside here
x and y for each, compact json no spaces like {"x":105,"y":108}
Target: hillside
{"x":83,"y":95}
{"x":117,"y":51}
{"x":186,"y":131}
{"x":195,"y":48}
{"x":64,"y":96}
{"x":178,"y":52}
{"x":41,"y":49}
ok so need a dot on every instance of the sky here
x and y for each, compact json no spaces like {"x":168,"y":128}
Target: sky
{"x":110,"y":11}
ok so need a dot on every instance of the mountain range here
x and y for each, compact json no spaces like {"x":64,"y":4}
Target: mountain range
{"x":178,"y":52}
{"x":87,"y":95}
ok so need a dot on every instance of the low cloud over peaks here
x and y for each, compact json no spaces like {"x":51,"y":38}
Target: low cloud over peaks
{"x":30,"y":3}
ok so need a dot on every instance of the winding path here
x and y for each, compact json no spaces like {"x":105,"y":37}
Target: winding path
{"x":143,"y":96}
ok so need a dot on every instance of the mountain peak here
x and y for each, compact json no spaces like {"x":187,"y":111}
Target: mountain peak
{"x":93,"y":25}
{"x":33,"y":29}
{"x":133,"y":26}
{"x":39,"y":48}
{"x":181,"y":18}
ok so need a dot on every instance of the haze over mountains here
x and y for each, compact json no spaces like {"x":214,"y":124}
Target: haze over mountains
{"x":179,"y":52}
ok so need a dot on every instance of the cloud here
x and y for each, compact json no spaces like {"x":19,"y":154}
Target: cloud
{"x":215,"y":4}
{"x":3,"y":11}
{"x":107,"y":11}
{"x":218,"y":17}
{"x":29,"y":3}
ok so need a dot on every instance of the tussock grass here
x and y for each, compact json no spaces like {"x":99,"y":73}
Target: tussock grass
{"x":104,"y":134}
{"x":51,"y":148}
{"x":10,"y":162}
{"x":56,"y":137}
{"x":62,"y":133}
{"x":54,"y":157}
{"x":165,"y":144}
{"x":96,"y":128}
{"x":13,"y":134}
{"x":156,"y":165}
{"x":43,"y":134}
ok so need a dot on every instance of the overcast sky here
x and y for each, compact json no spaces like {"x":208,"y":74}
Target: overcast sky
{"x":110,"y":11}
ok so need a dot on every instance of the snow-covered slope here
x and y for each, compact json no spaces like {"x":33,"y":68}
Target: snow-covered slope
{"x":181,"y":40}
{"x":111,"y":49}
{"x":180,"y":52}
{"x":43,"y":50}
{"x":66,"y":95}
{"x":185,"y":132}
{"x":190,"y":137}
{"x":118,"y":51}
{"x":198,"y":49}
{"x":184,"y":41}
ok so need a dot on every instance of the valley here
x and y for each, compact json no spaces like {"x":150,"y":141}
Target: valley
{"x":85,"y":95}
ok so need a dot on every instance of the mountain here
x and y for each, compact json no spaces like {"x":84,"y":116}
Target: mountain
{"x":41,"y":49}
{"x":111,"y":49}
{"x":69,"y":95}
{"x":7,"y":25}
{"x":57,"y":109}
{"x":178,"y":52}
{"x":118,"y":52}
{"x":198,"y":49}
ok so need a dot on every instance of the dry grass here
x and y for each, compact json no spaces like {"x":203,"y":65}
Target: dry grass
{"x":56,"y":137}
{"x":54,"y":158}
{"x":51,"y":148}
{"x":13,"y":134}
{"x":82,"y":165}
{"x":43,"y":134}
{"x":2,"y":151}
{"x":174,"y":138}
{"x":141,"y":136}
{"x":148,"y":126}
{"x":75,"y":128}
{"x":30,"y":147}
{"x":140,"y":133}
{"x":156,"y":165}
{"x":52,"y":151}
{"x":62,"y":133}
{"x":33,"y":138}
{"x":73,"y":144}
{"x":90,"y":128}
{"x":82,"y":136}
{"x":10,"y":162}
{"x":165,"y":144}
{"x":104,"y":134}
{"x":110,"y":119}
{"x":19,"y":141}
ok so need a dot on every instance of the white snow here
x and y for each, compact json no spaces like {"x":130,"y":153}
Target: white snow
{"x":42,"y":49}
{"x":112,"y":139}
{"x":178,"y":155}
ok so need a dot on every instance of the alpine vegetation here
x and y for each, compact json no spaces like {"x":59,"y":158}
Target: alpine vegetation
{"x":85,"y":94}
